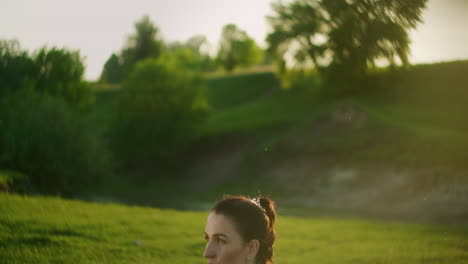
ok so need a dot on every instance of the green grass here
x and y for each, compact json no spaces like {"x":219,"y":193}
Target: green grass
{"x":279,"y":109}
{"x":419,"y":115}
{"x":52,"y":230}
{"x":229,"y":91}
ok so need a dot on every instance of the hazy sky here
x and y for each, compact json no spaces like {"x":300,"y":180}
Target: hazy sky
{"x":99,"y":27}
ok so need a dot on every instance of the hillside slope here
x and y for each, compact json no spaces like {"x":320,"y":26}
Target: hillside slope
{"x":396,"y":149}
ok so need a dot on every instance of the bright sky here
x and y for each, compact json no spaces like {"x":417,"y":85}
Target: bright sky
{"x":98,"y":28}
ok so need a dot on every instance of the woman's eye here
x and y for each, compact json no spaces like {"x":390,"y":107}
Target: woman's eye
{"x":221,"y":241}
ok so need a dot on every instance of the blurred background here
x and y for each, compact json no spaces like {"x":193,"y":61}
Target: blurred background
{"x":332,"y":108}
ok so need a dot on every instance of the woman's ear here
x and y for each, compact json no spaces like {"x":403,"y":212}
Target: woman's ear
{"x":254,"y":245}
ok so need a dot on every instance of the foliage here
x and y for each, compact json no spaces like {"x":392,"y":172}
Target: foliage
{"x":161,"y":105}
{"x":193,"y":53}
{"x":13,"y":181}
{"x":344,"y":38}
{"x":56,"y":72}
{"x":17,"y":68}
{"x":103,"y":113}
{"x":143,"y":44}
{"x":43,"y":138}
{"x":45,"y":230}
{"x":60,"y":74}
{"x":197,"y":43}
{"x":112,"y":72}
{"x":236,"y":48}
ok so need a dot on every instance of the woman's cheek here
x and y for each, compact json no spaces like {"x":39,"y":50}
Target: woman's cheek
{"x":230,"y":254}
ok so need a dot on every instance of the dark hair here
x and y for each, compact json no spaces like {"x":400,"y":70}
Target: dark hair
{"x":254,"y":219}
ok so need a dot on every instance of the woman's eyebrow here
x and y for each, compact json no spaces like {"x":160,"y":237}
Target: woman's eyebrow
{"x":220,"y":235}
{"x":217,"y":235}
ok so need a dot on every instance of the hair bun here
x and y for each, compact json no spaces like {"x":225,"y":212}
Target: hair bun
{"x":269,"y":206}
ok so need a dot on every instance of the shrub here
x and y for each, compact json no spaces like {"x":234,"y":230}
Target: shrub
{"x":43,"y":138}
{"x":13,"y":181}
{"x":160,"y":107}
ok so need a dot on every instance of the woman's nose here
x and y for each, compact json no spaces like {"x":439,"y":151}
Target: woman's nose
{"x":210,"y":250}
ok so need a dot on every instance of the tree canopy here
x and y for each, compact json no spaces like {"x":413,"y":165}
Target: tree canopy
{"x":60,"y":73}
{"x":17,"y":68}
{"x":161,"y":104}
{"x":236,"y":48}
{"x":192,"y":54}
{"x":113,"y":70}
{"x":143,"y":44}
{"x":344,"y":37}
{"x":53,"y":71}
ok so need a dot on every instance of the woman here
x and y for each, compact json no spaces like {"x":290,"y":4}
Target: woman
{"x":240,"y":230}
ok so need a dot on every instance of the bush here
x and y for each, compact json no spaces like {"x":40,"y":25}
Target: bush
{"x":160,"y":107}
{"x":13,"y":181}
{"x":43,"y":138}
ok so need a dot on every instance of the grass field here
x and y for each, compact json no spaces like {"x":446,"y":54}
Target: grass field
{"x":53,"y":230}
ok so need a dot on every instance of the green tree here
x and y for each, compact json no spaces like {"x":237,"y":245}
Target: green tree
{"x":17,"y":68}
{"x":236,"y":48}
{"x":60,"y":73}
{"x":160,"y":107}
{"x":344,"y":38}
{"x":197,"y":44}
{"x":193,"y":53}
{"x":54,"y":71}
{"x":112,"y":71}
{"x":143,"y":44}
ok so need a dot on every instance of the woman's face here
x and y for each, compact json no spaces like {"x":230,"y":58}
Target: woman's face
{"x":224,"y":244}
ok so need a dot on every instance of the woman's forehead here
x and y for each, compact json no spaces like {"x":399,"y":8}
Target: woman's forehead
{"x":220,"y":224}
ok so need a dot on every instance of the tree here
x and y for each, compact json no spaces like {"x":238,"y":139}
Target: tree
{"x":145,"y":43}
{"x":236,"y":48}
{"x":53,"y":71}
{"x":60,"y":73}
{"x":161,"y":105}
{"x":197,"y":44}
{"x":344,"y":38}
{"x":193,"y":54}
{"x":113,"y":70}
{"x":17,"y":68}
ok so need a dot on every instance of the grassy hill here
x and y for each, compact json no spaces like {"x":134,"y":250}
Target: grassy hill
{"x":397,"y":146}
{"x":421,"y":110}
{"x":418,"y":115}
{"x":53,"y":230}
